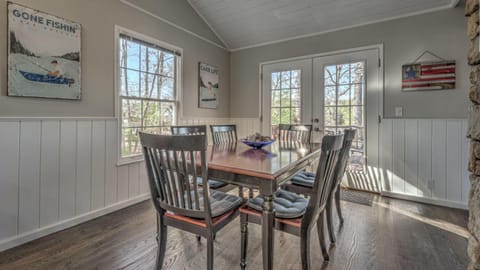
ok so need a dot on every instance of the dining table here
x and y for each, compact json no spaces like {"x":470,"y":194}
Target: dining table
{"x":265,"y":169}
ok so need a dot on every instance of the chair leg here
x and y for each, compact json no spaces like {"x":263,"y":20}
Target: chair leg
{"x":244,"y":241}
{"x":305,"y":248}
{"x":250,"y":193}
{"x":210,"y":252}
{"x":331,"y":229}
{"x":337,"y":203}
{"x":321,"y":236}
{"x":162,"y":242}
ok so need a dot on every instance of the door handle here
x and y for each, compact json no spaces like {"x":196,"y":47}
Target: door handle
{"x":315,"y":120}
{"x":317,"y":129}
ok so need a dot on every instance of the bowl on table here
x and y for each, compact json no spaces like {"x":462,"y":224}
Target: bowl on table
{"x":256,"y":144}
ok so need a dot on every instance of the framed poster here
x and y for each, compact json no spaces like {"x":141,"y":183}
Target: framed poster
{"x":208,"y":86}
{"x":424,"y":76}
{"x":43,"y":55}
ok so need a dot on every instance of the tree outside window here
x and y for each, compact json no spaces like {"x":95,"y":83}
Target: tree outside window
{"x":147,"y":82}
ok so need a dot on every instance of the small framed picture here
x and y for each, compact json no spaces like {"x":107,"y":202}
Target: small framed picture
{"x":208,"y":88}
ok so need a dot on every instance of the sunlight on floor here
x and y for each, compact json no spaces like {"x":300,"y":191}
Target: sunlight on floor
{"x":441,"y":224}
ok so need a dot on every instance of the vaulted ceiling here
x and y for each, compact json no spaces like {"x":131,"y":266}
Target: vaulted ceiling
{"x":245,"y":23}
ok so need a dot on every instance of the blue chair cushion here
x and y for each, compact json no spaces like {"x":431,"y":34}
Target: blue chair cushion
{"x":220,"y":202}
{"x":212,"y":183}
{"x":286,"y":204}
{"x":305,"y":179}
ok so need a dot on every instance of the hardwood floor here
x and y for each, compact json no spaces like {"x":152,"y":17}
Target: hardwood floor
{"x":392,"y":234}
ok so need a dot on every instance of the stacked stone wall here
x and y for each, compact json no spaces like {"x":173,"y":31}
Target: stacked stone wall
{"x":472,"y":12}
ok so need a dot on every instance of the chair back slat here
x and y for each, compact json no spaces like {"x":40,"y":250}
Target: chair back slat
{"x":331,"y":146}
{"x":166,"y":174}
{"x":181,"y":181}
{"x":173,"y":167}
{"x":193,"y":172}
{"x":348,"y":136}
{"x":188,"y":189}
{"x":224,"y":133}
{"x":294,"y":132}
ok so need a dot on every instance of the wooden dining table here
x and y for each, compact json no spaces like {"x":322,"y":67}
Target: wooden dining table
{"x":265,"y":169}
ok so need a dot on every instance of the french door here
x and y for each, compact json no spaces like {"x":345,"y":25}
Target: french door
{"x":332,"y":92}
{"x":347,"y":94}
{"x":287,"y":94}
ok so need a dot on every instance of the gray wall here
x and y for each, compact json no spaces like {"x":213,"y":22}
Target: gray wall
{"x":98,"y":19}
{"x":404,"y":39}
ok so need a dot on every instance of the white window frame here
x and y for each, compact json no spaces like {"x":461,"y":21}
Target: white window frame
{"x":118,"y":114}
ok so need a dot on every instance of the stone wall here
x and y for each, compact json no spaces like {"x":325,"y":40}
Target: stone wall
{"x":471,"y":11}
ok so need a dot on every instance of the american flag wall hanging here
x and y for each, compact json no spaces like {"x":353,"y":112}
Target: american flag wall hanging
{"x":428,"y":76}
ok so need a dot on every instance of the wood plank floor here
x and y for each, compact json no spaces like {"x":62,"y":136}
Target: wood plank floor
{"x":392,"y":234}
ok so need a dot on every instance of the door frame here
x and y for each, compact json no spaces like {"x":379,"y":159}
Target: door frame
{"x":381,"y":71}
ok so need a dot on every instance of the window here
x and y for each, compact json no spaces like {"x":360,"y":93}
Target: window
{"x":147,"y":87}
{"x":286,"y":98}
{"x":345,"y":105}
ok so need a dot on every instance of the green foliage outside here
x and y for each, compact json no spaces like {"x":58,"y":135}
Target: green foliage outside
{"x":147,"y":93}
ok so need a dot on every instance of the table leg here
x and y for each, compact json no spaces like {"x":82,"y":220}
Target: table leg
{"x":267,"y":232}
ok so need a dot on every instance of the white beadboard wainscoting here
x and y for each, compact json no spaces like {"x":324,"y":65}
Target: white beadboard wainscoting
{"x":59,"y":172}
{"x":425,"y":160}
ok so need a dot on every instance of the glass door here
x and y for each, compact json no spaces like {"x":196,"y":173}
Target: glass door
{"x":344,"y":105}
{"x":347,"y":95}
{"x":286,"y":95}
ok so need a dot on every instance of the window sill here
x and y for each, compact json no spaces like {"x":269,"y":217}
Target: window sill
{"x":130,"y":160}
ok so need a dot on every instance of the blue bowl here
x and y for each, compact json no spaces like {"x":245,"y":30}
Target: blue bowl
{"x":256,"y":145}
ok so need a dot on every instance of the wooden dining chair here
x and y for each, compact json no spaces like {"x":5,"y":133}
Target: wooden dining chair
{"x":173,"y":165}
{"x":224,"y":133}
{"x":227,"y":134}
{"x":303,"y":182}
{"x":197,"y":130}
{"x":189,"y":130}
{"x":295,"y":214}
{"x":294,"y":132}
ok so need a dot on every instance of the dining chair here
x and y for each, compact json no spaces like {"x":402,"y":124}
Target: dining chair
{"x":189,"y":130}
{"x":173,"y":164}
{"x":197,"y":130}
{"x":295,"y":214}
{"x":223,"y":133}
{"x":294,"y":132}
{"x":303,"y":182}
{"x":227,"y":134}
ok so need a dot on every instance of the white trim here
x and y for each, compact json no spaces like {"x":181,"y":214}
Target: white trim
{"x":128,"y":161}
{"x":378,"y":46}
{"x":179,"y":80}
{"x":208,"y":24}
{"x":454,"y":3}
{"x":449,"y":6}
{"x":126,"y":2}
{"x":186,"y":118}
{"x":59,"y":118}
{"x":35,"y":234}
{"x":439,"y":202}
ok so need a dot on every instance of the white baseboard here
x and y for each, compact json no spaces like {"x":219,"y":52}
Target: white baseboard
{"x":439,"y":202}
{"x":64,"y":224}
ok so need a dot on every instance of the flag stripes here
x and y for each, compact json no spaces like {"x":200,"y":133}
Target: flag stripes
{"x":429,"y":76}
